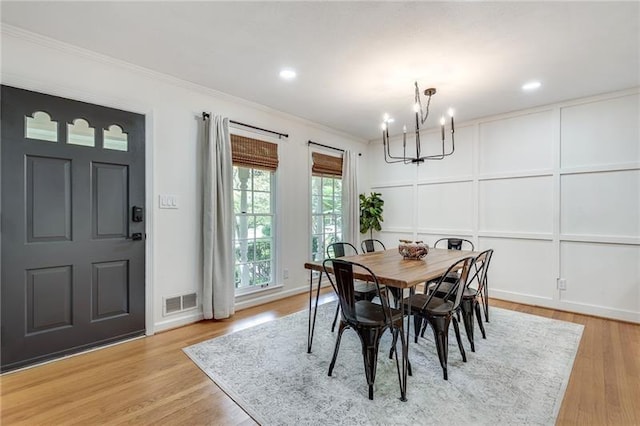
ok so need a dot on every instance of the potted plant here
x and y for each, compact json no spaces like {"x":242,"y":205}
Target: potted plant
{"x":371,"y":213}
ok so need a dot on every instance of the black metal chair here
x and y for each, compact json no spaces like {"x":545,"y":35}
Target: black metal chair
{"x":370,"y":245}
{"x":473,"y":291}
{"x":363,"y":290}
{"x":369,"y":320}
{"x":460,"y":244}
{"x":438,"y":311}
{"x":341,"y":249}
{"x":455,"y":244}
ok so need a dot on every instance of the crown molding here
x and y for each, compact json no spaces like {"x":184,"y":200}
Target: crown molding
{"x":51,"y":43}
{"x":533,"y":110}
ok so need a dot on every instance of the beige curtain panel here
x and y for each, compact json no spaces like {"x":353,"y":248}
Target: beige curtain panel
{"x":218,"y":296}
{"x":248,"y":152}
{"x":326,"y":165}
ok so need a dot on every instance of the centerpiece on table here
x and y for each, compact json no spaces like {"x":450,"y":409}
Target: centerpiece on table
{"x":413,"y":250}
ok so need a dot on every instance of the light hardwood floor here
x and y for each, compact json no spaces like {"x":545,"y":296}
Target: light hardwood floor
{"x":151,"y":381}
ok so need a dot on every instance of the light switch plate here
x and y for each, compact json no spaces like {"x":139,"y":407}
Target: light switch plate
{"x":168,"y":201}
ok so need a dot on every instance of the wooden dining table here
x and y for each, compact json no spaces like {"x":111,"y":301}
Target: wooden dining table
{"x":394,"y":271}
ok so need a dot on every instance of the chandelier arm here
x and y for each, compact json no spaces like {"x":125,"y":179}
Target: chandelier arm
{"x":444,"y":154}
{"x":387,"y":152}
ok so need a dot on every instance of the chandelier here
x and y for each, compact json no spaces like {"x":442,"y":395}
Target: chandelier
{"x":421,"y":117}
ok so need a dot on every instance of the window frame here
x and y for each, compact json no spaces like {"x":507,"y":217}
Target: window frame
{"x":275,"y":224}
{"x":337,"y":216}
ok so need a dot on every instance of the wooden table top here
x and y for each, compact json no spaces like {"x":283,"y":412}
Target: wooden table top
{"x":395,"y":271}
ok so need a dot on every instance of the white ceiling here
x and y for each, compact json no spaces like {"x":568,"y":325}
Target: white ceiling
{"x":358,"y":60}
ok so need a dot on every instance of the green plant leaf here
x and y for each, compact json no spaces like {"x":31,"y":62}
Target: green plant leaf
{"x":371,"y":212}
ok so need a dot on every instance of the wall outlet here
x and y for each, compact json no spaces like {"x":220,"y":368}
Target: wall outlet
{"x":562,"y":284}
{"x":285,"y":274}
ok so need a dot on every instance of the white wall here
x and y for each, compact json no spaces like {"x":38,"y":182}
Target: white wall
{"x":173,"y":130}
{"x":555,"y":191}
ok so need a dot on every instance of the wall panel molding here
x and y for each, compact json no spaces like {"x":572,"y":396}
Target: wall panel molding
{"x":532,"y":202}
{"x":600,"y":169}
{"x":517,"y":235}
{"x":518,"y":175}
{"x":600,"y":239}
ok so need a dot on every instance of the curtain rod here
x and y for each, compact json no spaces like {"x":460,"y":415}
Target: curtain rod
{"x":206,"y":115}
{"x":324,"y":146}
{"x":310,"y":142}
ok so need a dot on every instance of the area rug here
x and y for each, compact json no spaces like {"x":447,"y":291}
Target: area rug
{"x":517,"y":375}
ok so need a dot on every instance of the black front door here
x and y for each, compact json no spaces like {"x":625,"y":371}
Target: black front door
{"x":72,"y":226}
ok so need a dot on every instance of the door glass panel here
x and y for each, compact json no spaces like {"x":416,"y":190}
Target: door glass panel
{"x":40,"y":126}
{"x":115,"y":138}
{"x":79,"y":133}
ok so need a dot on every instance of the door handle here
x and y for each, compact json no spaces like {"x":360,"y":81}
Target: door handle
{"x":136,"y":236}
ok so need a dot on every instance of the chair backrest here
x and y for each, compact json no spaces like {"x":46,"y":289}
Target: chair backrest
{"x":479,"y":270}
{"x":455,"y":289}
{"x":371,"y":245}
{"x":340,"y":274}
{"x":455,"y":243}
{"x":340,"y":250}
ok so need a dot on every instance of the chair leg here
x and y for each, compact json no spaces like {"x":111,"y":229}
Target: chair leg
{"x":394,"y":332}
{"x":417,"y":326}
{"x":459,"y":339}
{"x":479,"y":317}
{"x":370,"y":339}
{"x":485,"y":302}
{"x":343,"y":326}
{"x":466,"y":306}
{"x":335,"y":318}
{"x":440,"y":325}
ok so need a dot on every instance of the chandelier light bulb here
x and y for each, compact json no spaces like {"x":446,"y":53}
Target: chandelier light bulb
{"x":450,"y":112}
{"x":442,"y":121}
{"x":385,"y":118}
{"x":416,"y":107}
{"x":384,"y":126}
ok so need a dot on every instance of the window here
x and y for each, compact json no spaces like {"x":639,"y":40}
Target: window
{"x":40,"y":126}
{"x":254,"y":207}
{"x":80,"y":133}
{"x":326,"y":203}
{"x":114,"y":138}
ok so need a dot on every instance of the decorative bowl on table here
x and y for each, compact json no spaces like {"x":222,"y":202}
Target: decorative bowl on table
{"x":413,"y":250}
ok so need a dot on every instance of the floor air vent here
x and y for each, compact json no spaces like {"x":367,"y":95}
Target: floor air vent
{"x":176,"y":304}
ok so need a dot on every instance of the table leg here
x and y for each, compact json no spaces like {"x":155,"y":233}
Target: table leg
{"x":486,"y":301}
{"x":405,"y":347}
{"x":312,"y":322}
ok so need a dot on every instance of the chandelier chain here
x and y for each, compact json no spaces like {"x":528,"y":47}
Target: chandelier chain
{"x":418,"y":101}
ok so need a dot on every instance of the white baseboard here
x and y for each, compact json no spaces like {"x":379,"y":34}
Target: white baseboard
{"x":564,"y":305}
{"x":195,"y":316}
{"x":274,"y":296}
{"x":178,"y":321}
{"x":600,"y":311}
{"x":528,"y":299}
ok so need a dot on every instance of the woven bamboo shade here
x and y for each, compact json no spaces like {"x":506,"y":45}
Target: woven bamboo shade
{"x":248,"y":152}
{"x":326,"y":164}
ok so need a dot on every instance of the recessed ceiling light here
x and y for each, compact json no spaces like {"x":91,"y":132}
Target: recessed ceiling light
{"x":532,"y":85}
{"x":287,"y":74}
